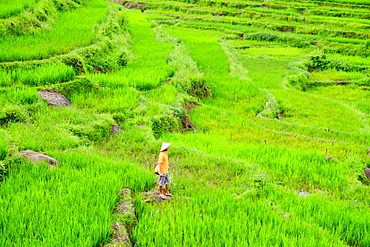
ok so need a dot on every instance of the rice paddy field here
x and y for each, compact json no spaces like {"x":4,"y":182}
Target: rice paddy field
{"x":266,"y":104}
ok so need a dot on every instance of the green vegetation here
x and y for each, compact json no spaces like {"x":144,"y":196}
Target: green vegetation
{"x":266,"y":104}
{"x":27,"y":17}
{"x":73,"y":29}
{"x":13,"y":8}
{"x":74,"y":204}
{"x":38,"y":76}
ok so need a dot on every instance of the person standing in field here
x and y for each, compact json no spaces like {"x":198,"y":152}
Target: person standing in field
{"x":164,"y":178}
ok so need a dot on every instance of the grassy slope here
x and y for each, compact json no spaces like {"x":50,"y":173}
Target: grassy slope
{"x":236,"y":181}
{"x":219,"y":166}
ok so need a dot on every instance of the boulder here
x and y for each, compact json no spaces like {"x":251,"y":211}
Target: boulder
{"x":116,"y":129}
{"x":54,"y":98}
{"x":367,"y":172}
{"x":187,"y":125}
{"x":38,"y":158}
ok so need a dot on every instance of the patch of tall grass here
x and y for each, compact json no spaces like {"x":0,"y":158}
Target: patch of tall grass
{"x":60,"y":128}
{"x":256,"y":65}
{"x":255,"y":200}
{"x":273,"y":51}
{"x":346,"y":93}
{"x":18,"y":95}
{"x":261,"y":225}
{"x":149,"y":68}
{"x":13,"y":8}
{"x":107,"y":100}
{"x":317,"y":111}
{"x":4,"y":145}
{"x":17,"y":104}
{"x":71,"y":206}
{"x":359,"y":2}
{"x":335,"y":75}
{"x":73,"y":29}
{"x":224,"y":86}
{"x":44,"y":75}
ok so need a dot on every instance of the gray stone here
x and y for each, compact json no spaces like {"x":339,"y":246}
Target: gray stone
{"x":54,"y":98}
{"x":116,"y":129}
{"x":187,"y":125}
{"x":38,"y":158}
{"x":367,"y":172}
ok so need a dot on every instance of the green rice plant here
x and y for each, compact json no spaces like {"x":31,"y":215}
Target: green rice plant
{"x":274,"y":37}
{"x":335,"y":75}
{"x":320,"y":115}
{"x":257,"y":64}
{"x":317,"y":208}
{"x":60,"y":128}
{"x":145,"y":59}
{"x":164,"y":95}
{"x":10,"y":9}
{"x":73,"y":29}
{"x":18,"y":95}
{"x":4,"y":145}
{"x":217,"y":218}
{"x":274,"y":51}
{"x":76,"y":200}
{"x":5,"y":79}
{"x":16,"y":104}
{"x":149,"y":69}
{"x":244,"y":44}
{"x":45,"y":75}
{"x":39,"y":16}
{"x":107,"y":100}
{"x":359,"y":2}
{"x":344,"y":49}
{"x":42,"y":137}
{"x":322,"y":62}
{"x":346,"y":93}
{"x":355,"y":60}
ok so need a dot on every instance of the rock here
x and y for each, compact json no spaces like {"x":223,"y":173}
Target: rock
{"x":54,"y":98}
{"x":187,"y":124}
{"x":116,"y":129}
{"x":38,"y":158}
{"x":367,"y":172}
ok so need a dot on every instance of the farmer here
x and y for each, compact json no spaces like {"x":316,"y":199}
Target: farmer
{"x":164,"y":178}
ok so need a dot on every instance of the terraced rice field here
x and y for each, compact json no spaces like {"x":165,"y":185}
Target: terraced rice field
{"x":266,"y":104}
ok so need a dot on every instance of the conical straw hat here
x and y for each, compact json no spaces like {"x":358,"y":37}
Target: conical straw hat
{"x":165,"y":145}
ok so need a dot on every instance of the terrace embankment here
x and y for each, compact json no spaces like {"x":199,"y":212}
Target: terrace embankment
{"x":124,"y":220}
